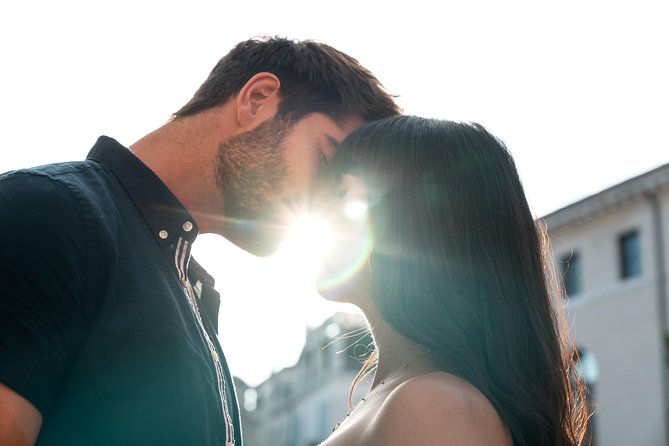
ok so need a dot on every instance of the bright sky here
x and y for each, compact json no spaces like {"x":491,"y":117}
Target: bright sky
{"x":578,"y":90}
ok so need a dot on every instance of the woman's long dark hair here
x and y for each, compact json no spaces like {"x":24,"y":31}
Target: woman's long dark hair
{"x":459,"y":266}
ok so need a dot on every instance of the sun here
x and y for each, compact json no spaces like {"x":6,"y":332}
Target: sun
{"x":308,"y":241}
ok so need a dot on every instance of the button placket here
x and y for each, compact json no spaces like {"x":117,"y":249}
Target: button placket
{"x":215,"y":358}
{"x":193,"y":301}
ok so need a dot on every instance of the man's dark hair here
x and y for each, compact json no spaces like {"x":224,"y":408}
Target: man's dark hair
{"x":314,"y":78}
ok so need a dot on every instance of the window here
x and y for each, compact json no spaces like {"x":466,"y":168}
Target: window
{"x":588,"y":371}
{"x":571,"y":272}
{"x":250,"y":399}
{"x":629,"y":248}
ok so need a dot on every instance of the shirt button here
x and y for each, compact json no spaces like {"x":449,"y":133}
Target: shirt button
{"x":163,"y":234}
{"x":214,"y":356}
{"x":188,"y":226}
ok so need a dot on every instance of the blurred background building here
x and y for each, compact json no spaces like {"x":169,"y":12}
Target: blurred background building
{"x":611,"y":252}
{"x":300,"y":405}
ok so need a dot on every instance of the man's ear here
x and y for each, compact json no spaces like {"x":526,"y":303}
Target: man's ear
{"x":258,"y":100}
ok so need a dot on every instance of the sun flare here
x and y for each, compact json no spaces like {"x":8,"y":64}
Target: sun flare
{"x":307,"y":243}
{"x":355,"y":210}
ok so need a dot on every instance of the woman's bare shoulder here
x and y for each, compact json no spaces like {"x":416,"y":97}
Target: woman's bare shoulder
{"x":438,"y":409}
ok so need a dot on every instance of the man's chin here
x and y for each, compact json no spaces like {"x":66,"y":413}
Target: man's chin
{"x":258,"y":239}
{"x":262,"y":248}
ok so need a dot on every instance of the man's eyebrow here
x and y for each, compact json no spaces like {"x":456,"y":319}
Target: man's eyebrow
{"x":333,"y":141}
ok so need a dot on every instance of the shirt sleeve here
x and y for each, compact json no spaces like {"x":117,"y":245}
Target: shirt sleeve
{"x":43,"y":254}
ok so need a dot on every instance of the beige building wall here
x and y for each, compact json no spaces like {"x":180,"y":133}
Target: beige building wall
{"x":615,"y":319}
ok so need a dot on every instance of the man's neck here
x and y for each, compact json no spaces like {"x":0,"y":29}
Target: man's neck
{"x":183,"y":154}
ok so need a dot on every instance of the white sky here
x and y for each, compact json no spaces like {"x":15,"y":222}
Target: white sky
{"x":578,"y":90}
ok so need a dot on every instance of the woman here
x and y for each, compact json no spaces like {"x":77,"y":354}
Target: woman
{"x":471,"y":345}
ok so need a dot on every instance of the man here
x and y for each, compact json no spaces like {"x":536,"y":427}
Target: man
{"x":107,"y":331}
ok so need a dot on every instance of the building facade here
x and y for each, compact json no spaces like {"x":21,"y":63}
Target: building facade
{"x":300,"y":405}
{"x":611,"y":252}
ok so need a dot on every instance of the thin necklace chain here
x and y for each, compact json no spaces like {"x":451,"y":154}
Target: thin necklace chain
{"x":405,"y":365}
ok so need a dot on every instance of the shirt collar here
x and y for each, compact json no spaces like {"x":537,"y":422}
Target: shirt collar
{"x":167,"y":218}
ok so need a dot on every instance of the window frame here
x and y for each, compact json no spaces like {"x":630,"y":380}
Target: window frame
{"x":629,"y":255}
{"x":571,"y":272}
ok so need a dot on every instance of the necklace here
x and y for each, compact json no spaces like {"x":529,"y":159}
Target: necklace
{"x":405,"y":365}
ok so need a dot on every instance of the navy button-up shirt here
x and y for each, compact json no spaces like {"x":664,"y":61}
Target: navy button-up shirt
{"x":106,"y":325}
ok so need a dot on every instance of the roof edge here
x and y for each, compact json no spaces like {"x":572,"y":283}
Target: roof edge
{"x":609,"y":198}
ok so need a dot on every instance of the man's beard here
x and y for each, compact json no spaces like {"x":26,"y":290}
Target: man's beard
{"x":253,"y":174}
